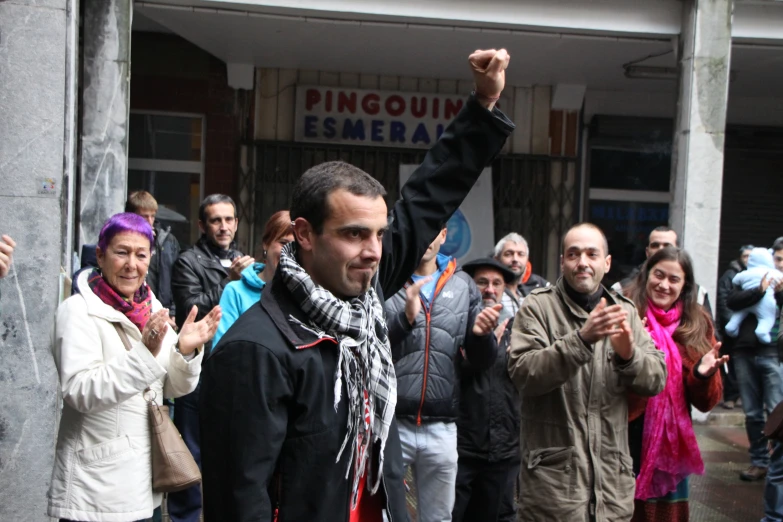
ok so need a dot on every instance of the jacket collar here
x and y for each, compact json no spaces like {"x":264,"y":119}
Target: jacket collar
{"x":251,"y":278}
{"x":575,"y":309}
{"x":203,"y":245}
{"x":277,"y":301}
{"x":97,"y":308}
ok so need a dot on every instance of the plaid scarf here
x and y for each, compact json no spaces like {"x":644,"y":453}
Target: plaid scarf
{"x":364,"y":363}
{"x":137,"y":309}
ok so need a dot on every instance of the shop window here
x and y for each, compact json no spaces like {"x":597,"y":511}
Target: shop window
{"x":627,"y":224}
{"x":628,"y":197}
{"x":166,"y":158}
{"x":630,"y":169}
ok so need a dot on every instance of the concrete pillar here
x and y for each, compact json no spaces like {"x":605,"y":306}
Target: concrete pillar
{"x":704,"y":53}
{"x":38,"y":57}
{"x":105,"y":106}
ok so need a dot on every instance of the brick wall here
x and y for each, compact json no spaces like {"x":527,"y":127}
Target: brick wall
{"x":170,"y":74}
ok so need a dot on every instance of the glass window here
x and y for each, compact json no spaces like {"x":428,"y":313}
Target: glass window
{"x":177,"y":194}
{"x":165,"y":158}
{"x":627,"y":225}
{"x":168,"y":137}
{"x":631,"y":170}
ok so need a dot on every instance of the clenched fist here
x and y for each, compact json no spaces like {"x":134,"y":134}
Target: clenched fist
{"x":489,"y":73}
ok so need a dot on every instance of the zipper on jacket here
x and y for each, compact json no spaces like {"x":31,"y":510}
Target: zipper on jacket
{"x":426,"y":361}
{"x":279,"y":488}
{"x":444,"y":277}
{"x":388,"y":500}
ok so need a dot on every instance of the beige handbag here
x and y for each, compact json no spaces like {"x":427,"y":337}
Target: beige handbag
{"x":173,"y":467}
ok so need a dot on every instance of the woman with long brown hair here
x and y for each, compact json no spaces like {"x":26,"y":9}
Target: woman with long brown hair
{"x":661,"y":437}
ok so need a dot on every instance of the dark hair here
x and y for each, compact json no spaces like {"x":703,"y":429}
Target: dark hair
{"x":277,"y":226}
{"x":214,"y":199}
{"x":124,"y":222}
{"x":585,"y":224}
{"x":315,"y":185}
{"x":140,"y":200}
{"x":663,"y":228}
{"x":695,"y":331}
{"x":743,"y":248}
{"x":778,"y":244}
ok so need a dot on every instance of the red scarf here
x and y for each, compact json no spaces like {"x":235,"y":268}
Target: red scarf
{"x":137,"y":310}
{"x":669,"y":448}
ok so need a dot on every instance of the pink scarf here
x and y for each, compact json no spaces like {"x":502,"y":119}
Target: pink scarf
{"x":669,"y":448}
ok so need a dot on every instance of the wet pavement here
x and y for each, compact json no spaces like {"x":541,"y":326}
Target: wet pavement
{"x":719,"y":495}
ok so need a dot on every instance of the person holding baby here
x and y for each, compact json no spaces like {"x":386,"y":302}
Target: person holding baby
{"x":759,"y":372}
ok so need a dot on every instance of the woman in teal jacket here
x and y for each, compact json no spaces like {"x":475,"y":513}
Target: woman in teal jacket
{"x":240,"y":295}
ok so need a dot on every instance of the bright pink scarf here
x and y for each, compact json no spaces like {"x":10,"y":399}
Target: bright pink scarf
{"x":669,"y":448}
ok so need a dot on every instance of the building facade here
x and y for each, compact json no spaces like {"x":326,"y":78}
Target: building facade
{"x":629,"y":113}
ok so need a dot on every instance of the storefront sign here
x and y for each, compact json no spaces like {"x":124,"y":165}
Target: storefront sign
{"x":376,"y":118}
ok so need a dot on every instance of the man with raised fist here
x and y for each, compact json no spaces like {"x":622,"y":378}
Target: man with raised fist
{"x":298,"y":400}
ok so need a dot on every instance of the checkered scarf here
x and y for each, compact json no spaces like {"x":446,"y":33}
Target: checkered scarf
{"x":364,"y":363}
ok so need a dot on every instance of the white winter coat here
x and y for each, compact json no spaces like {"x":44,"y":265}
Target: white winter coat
{"x":102,"y":467}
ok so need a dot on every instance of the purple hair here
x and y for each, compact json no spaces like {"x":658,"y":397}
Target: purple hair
{"x":124,"y":222}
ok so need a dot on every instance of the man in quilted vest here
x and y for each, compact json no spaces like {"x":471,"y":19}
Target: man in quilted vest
{"x":436,"y":326}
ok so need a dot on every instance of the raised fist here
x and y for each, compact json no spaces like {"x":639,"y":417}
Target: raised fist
{"x":489,"y":73}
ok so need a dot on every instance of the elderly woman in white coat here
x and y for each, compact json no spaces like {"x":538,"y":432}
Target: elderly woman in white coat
{"x":103,"y":468}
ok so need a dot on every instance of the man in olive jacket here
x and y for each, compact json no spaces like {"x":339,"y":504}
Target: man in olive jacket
{"x":576,"y":350}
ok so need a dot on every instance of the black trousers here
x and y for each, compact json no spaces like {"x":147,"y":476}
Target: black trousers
{"x":485,"y":491}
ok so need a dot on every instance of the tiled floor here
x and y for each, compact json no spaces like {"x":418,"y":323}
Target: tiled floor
{"x":718,"y":495}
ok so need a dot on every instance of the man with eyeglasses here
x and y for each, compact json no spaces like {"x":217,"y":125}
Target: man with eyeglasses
{"x":662,"y":237}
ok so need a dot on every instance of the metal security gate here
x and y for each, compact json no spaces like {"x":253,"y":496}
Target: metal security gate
{"x":533,"y":195}
{"x":538,"y":197}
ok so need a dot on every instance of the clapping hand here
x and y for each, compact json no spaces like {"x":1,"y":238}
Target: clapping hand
{"x":711,"y":361}
{"x":412,"y":299}
{"x":7,"y":246}
{"x":192,"y":335}
{"x":487,"y":320}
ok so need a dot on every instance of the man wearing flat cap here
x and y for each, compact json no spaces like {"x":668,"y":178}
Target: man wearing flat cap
{"x":488,"y":425}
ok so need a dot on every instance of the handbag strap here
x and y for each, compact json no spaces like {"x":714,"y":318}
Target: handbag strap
{"x":125,"y":341}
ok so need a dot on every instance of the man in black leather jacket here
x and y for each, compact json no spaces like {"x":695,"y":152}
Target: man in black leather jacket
{"x":275,"y":408}
{"x":199,"y":277}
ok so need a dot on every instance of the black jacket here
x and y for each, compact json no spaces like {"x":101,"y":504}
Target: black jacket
{"x":746,"y":342}
{"x":161,"y":266}
{"x":428,"y":355}
{"x":198,"y":279}
{"x":269,"y":430}
{"x":723,"y":316}
{"x":488,"y":426}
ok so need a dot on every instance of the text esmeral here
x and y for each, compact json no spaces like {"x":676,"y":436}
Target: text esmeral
{"x":376,"y":118}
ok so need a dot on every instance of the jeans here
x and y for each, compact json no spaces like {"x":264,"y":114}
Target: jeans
{"x":773,"y":487}
{"x":761,"y":387}
{"x":431,"y":451}
{"x":730,"y":389}
{"x":185,"y":506}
